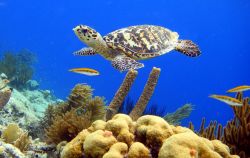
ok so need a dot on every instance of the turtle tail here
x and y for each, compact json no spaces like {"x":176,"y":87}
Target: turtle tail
{"x":188,"y":48}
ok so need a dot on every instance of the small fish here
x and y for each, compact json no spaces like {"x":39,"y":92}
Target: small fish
{"x":228,"y":100}
{"x":239,"y":89}
{"x":85,"y":71}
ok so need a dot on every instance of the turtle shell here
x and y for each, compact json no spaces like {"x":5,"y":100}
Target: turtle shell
{"x":142,"y":41}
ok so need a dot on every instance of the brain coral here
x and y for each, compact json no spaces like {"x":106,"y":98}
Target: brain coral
{"x":148,"y":137}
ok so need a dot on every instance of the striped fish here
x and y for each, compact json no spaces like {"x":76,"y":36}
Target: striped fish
{"x":85,"y":71}
{"x":228,"y":100}
{"x":239,"y":89}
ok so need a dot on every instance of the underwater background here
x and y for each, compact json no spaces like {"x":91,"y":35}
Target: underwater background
{"x":220,"y":28}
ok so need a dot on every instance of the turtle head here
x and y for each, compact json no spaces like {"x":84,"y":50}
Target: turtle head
{"x":88,"y":35}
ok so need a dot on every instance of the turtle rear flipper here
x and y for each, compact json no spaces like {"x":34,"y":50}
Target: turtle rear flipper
{"x":85,"y":52}
{"x":188,"y":48}
{"x":124,"y":63}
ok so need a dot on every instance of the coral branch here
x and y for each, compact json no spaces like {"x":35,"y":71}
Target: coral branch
{"x":146,"y":94}
{"x":236,"y":134}
{"x":121,"y":94}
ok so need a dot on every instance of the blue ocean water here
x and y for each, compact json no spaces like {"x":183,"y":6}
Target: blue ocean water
{"x":220,"y":28}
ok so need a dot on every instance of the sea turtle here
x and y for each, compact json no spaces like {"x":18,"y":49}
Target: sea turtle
{"x":124,"y":46}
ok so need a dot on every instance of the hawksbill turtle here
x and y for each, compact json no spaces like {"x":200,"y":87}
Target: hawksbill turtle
{"x":125,"y":46}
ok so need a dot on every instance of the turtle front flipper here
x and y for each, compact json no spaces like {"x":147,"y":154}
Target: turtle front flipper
{"x":188,"y":48}
{"x":85,"y":52}
{"x":124,"y":63}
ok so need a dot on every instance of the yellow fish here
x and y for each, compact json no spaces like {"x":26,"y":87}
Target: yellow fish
{"x":239,"y":89}
{"x":85,"y":71}
{"x":228,"y":100}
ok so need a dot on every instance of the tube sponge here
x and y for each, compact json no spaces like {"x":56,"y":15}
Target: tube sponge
{"x":117,"y":150}
{"x":146,"y":94}
{"x":98,"y":143}
{"x":121,"y":93}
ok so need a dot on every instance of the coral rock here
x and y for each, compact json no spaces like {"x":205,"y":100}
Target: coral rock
{"x":117,"y":150}
{"x":122,"y":127}
{"x":149,"y":137}
{"x":98,"y":143}
{"x":189,"y":145}
{"x":152,"y":130}
{"x":74,"y":148}
{"x":138,"y":150}
{"x":97,"y":125}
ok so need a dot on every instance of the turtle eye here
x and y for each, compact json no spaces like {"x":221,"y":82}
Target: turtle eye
{"x":84,"y":31}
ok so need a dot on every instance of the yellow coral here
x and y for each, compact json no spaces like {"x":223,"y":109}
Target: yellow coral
{"x":152,"y":130}
{"x":222,"y":149}
{"x":16,"y":136}
{"x":23,"y":142}
{"x":11,"y":133}
{"x":188,"y":145}
{"x":74,"y":148}
{"x":122,"y":127}
{"x":152,"y":137}
{"x":117,"y":150}
{"x":98,"y":143}
{"x":97,"y":125}
{"x":138,"y":150}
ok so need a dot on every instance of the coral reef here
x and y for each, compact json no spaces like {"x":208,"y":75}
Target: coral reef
{"x":15,"y":142}
{"x":16,"y":136}
{"x":236,"y":134}
{"x":149,"y":136}
{"x":24,"y":107}
{"x":63,"y":121}
{"x":18,"y":67}
{"x":181,"y":113}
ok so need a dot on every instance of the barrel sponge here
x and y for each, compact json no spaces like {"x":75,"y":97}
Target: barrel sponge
{"x":74,"y":149}
{"x":138,"y":150}
{"x":152,"y":130}
{"x":188,"y":145}
{"x":98,"y":143}
{"x":122,"y":127}
{"x":117,"y":150}
{"x":97,"y":125}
